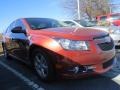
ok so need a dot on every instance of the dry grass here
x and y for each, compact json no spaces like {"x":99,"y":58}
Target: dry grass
{"x":1,"y":50}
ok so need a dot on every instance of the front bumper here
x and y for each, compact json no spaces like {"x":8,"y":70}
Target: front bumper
{"x":75,"y":63}
{"x":75,"y":71}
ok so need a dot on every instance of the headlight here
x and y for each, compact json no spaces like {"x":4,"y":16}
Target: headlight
{"x":115,"y":30}
{"x":73,"y":44}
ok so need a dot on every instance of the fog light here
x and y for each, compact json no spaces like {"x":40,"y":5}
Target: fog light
{"x":81,"y":69}
{"x":75,"y":69}
{"x":90,"y":67}
{"x":78,"y":69}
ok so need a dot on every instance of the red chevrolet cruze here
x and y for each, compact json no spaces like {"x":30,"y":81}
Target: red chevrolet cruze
{"x":54,"y":49}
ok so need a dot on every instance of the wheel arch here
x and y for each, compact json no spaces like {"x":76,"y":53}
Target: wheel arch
{"x":34,"y":47}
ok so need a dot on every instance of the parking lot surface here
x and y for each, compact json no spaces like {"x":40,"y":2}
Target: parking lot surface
{"x":9,"y":81}
{"x":15,"y":75}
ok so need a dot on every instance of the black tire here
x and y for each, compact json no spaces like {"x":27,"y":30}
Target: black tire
{"x":6,"y":55}
{"x":43,"y":65}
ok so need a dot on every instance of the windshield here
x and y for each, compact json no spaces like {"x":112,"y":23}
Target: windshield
{"x":42,"y":23}
{"x":85,"y":23}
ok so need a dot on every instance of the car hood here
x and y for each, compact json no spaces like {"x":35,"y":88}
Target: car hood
{"x":101,"y":28}
{"x":71,"y":33}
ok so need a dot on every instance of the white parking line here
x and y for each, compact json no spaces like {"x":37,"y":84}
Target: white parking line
{"x":117,"y":79}
{"x":29,"y":82}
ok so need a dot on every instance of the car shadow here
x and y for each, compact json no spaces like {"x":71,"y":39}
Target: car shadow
{"x":90,"y":83}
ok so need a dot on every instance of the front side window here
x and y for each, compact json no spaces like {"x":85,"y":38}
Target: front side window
{"x":43,"y":23}
{"x":20,"y":23}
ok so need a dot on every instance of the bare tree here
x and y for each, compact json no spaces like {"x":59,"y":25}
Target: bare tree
{"x":89,"y":8}
{"x":69,"y":6}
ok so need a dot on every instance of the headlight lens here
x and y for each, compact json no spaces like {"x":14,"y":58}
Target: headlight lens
{"x":73,"y":44}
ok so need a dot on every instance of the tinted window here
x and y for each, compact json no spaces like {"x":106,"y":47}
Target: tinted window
{"x":70,"y":23}
{"x":85,"y":23}
{"x":103,"y":18}
{"x":115,"y":17}
{"x":42,"y":23}
{"x":19,"y":23}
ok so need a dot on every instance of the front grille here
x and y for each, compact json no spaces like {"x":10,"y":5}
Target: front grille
{"x":106,"y":46}
{"x":108,"y":63}
{"x":104,"y":42}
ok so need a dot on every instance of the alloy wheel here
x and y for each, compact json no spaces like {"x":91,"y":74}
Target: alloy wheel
{"x":41,"y":65}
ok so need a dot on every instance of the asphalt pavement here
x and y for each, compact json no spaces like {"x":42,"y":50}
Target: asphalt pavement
{"x":9,"y":81}
{"x":15,"y":75}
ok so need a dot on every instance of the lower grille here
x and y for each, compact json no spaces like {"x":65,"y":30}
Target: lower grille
{"x":108,"y":63}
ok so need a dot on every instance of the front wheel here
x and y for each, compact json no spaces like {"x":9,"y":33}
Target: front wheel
{"x":43,"y":65}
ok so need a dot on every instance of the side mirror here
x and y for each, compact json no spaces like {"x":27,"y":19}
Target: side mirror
{"x":18,"y":30}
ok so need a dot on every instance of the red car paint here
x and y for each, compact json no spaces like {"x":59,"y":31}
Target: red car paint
{"x":112,"y":18}
{"x":98,"y":58}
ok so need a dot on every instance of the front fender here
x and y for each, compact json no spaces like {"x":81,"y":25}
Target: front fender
{"x":46,"y":42}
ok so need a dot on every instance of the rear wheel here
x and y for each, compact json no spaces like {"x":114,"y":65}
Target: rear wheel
{"x":43,"y":65}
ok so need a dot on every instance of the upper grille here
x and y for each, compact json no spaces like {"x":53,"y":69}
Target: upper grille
{"x":106,"y":46}
{"x":105,"y":43}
